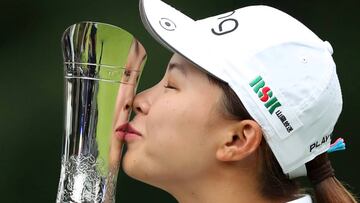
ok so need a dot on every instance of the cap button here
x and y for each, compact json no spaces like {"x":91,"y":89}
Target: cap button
{"x":328,"y":47}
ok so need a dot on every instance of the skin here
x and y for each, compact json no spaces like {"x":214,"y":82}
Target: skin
{"x":188,"y":146}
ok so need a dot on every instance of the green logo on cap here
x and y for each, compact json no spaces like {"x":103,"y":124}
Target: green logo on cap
{"x":265,"y":94}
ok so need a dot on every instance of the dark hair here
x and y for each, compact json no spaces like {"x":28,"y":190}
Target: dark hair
{"x":276,"y":185}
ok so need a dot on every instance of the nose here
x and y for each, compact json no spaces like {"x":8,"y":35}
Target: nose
{"x":141,"y":104}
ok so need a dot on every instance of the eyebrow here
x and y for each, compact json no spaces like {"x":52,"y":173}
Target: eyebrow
{"x":179,"y":67}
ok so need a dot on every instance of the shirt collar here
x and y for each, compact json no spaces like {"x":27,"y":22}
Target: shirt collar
{"x":302,"y":199}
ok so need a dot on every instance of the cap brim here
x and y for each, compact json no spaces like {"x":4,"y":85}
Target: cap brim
{"x":180,"y":34}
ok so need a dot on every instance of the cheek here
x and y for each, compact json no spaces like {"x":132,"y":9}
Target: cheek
{"x":173,"y":122}
{"x":165,"y":126}
{"x":178,"y":135}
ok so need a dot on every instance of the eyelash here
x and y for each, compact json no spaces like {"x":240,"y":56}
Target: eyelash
{"x":169,"y":86}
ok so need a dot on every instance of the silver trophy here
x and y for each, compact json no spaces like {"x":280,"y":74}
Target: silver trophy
{"x":103,"y":64}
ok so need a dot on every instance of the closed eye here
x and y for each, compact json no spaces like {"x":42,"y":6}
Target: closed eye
{"x":169,"y":87}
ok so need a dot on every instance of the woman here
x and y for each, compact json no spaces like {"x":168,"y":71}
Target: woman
{"x":248,"y":102}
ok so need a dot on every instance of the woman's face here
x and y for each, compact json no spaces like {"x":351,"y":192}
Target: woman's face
{"x":180,"y":122}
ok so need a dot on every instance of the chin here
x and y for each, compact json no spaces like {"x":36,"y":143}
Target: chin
{"x":129,"y":164}
{"x":132,"y":167}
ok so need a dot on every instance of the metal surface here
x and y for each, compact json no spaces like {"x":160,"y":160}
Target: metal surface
{"x":102,"y":66}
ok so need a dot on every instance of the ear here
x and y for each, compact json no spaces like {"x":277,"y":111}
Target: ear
{"x":241,"y":141}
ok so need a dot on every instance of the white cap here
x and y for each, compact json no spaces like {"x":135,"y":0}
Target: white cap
{"x":281,"y":71}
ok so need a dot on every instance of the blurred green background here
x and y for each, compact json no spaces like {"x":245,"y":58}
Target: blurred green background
{"x":31,"y":83}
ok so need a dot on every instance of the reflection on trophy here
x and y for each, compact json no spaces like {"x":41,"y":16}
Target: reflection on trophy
{"x":103,"y":64}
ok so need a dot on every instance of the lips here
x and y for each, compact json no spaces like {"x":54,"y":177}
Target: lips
{"x":127,"y":132}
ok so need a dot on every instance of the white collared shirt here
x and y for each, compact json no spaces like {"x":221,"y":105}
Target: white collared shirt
{"x":303,"y":199}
